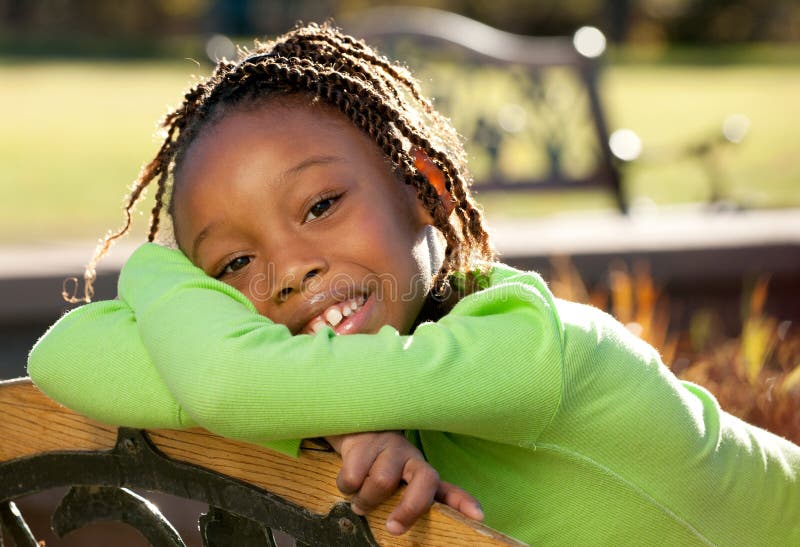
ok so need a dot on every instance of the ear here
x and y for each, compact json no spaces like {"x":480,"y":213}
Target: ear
{"x":435,"y":177}
{"x":422,"y":216}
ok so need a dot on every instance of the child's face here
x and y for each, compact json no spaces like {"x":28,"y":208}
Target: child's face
{"x":300,"y":211}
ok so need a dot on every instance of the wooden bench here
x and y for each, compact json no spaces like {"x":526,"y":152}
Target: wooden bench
{"x":537,"y":96}
{"x":251,"y":491}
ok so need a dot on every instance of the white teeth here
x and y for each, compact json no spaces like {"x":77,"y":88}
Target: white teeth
{"x":333,"y":316}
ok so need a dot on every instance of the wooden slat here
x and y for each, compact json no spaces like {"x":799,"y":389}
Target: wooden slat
{"x":33,"y":424}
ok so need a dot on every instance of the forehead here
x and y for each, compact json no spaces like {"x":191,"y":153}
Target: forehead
{"x":261,"y":143}
{"x":292,"y":126}
{"x":287,"y":129}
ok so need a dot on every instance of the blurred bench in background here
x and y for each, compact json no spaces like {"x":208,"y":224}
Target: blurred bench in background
{"x":529,"y":107}
{"x":250,"y":491}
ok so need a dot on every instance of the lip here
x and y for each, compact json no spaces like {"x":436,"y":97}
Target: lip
{"x":355,"y":323}
{"x":348,"y":325}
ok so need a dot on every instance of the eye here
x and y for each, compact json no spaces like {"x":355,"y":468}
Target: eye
{"x":321,"y":207}
{"x":234,"y":265}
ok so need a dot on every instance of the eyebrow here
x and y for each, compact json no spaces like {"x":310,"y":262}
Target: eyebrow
{"x":311,"y":161}
{"x":290,"y":173}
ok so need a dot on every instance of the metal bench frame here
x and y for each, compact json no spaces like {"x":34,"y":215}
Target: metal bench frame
{"x":251,"y":491}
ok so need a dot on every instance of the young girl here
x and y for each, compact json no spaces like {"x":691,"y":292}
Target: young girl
{"x":307,"y":178}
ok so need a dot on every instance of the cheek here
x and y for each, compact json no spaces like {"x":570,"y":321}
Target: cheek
{"x":409,"y":240}
{"x":257,"y":293}
{"x":256,"y":288}
{"x":179,"y":225}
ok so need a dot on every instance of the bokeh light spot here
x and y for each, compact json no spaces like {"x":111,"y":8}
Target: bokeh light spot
{"x":220,"y":47}
{"x":735,"y":127}
{"x":512,"y":118}
{"x":589,"y":41}
{"x":625,"y":144}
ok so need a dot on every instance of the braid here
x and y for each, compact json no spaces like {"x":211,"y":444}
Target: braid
{"x":157,"y":167}
{"x":380,"y":98}
{"x":346,"y":45}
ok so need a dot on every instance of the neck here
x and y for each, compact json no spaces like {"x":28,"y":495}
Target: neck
{"x":436,"y":307}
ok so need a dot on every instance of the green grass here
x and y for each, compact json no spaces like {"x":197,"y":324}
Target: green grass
{"x":670,"y":107}
{"x":76,"y":133}
{"x":75,"y":136}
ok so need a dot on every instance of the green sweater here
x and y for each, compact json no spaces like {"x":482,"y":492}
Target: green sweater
{"x":568,"y":428}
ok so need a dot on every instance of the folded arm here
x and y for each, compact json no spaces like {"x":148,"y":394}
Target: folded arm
{"x":199,"y":344}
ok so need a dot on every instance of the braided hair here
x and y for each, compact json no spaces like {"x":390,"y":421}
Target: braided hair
{"x":380,"y":98}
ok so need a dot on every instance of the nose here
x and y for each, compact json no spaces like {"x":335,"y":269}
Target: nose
{"x":295,"y":272}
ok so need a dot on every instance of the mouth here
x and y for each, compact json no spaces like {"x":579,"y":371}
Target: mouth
{"x":345,"y":317}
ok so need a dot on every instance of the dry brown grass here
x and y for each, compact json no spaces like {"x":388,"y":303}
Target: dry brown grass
{"x":755,"y":376}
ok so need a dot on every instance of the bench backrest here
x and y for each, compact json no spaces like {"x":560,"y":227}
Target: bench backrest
{"x":528,"y":107}
{"x":251,"y":491}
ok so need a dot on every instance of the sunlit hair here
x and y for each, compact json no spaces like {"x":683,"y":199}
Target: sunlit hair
{"x":379,"y":97}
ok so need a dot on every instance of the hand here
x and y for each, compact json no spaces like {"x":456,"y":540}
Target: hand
{"x":376,"y":464}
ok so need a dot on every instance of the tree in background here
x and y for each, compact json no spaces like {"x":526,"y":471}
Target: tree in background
{"x":663,"y":21}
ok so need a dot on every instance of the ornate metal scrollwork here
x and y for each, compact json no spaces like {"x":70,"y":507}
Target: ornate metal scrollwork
{"x":239,"y":513}
{"x":12,"y":521}
{"x":83,"y":505}
{"x":219,"y":528}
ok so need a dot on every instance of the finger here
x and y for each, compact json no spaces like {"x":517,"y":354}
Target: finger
{"x":356,"y":464}
{"x":382,"y":481}
{"x":417,"y":498}
{"x":460,"y":500}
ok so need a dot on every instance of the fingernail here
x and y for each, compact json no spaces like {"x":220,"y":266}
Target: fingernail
{"x":394,"y":527}
{"x":357,"y":510}
{"x":477,"y":512}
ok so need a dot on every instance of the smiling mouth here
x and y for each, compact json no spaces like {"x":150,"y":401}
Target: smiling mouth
{"x":340,"y":316}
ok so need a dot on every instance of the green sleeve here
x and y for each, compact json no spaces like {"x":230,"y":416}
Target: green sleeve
{"x":93,"y":361}
{"x":240,"y":375}
{"x":650,"y":448}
